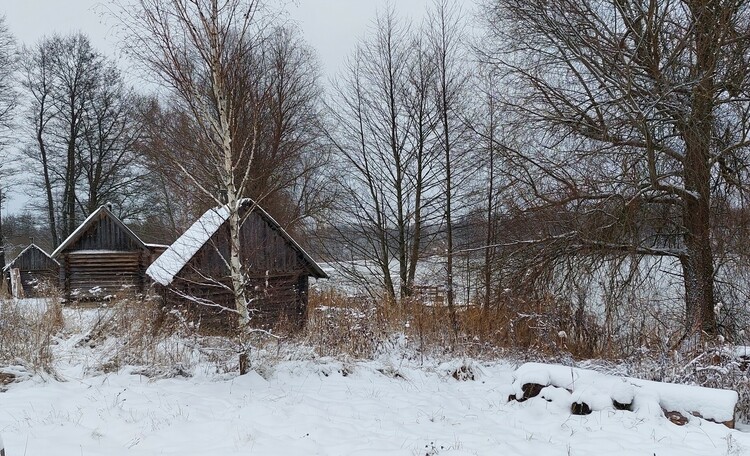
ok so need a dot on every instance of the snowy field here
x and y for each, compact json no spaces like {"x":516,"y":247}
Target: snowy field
{"x":304,"y":405}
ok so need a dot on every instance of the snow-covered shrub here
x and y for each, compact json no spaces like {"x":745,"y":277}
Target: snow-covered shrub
{"x":465,"y":369}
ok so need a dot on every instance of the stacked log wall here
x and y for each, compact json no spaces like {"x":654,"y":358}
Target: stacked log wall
{"x":105,"y":260}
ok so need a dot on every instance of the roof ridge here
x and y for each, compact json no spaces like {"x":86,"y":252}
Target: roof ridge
{"x":169,"y":264}
{"x":84,"y":225}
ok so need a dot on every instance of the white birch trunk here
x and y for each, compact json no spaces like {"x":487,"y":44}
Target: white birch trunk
{"x":233,"y":198}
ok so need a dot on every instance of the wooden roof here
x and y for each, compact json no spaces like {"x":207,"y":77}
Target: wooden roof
{"x":91,"y":220}
{"x":170,"y":263}
{"x":29,"y":248}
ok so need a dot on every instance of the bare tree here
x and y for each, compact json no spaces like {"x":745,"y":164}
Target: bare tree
{"x":445,"y":32}
{"x":111,"y":167}
{"x":37,"y":78}
{"x":383,"y":118}
{"x":286,"y":173}
{"x":80,"y":116}
{"x":8,"y":94}
{"x":199,"y":49}
{"x":8,"y":102}
{"x":76,"y":68}
{"x":638,"y":108}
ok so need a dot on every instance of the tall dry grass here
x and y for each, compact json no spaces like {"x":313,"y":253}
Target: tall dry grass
{"x":27,"y":332}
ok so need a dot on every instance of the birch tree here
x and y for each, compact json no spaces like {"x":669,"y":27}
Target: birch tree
{"x":199,"y":50}
{"x":639,"y":115}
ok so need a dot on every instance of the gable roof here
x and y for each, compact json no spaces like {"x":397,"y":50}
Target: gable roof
{"x":173,"y":260}
{"x":28,"y":247}
{"x":90,"y":220}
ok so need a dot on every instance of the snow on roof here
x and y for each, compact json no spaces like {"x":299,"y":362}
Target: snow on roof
{"x":32,"y":245}
{"x":87,"y":223}
{"x":157,"y":246}
{"x":171,"y":262}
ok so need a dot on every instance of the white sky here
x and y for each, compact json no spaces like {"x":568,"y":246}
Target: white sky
{"x":331,"y":27}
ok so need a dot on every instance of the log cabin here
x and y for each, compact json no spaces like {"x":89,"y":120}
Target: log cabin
{"x":194,"y":274}
{"x":103,"y":258}
{"x":37,"y":269}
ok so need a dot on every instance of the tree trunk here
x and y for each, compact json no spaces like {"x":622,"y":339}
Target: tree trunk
{"x":47,"y":182}
{"x":70,"y":180}
{"x":489,"y":238}
{"x":235,"y":264}
{"x":697,"y":263}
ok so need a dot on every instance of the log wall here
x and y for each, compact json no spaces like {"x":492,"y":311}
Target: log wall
{"x":103,"y":260}
{"x":93,"y":274}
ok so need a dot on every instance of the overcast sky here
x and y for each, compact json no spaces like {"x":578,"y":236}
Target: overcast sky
{"x":331,"y":27}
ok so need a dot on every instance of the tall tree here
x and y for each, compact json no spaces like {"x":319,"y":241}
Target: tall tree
{"x":8,"y":101}
{"x":77,"y":71}
{"x":37,"y":79}
{"x":640,"y":113}
{"x":445,"y":32}
{"x":198,"y":49}
{"x":8,"y":94}
{"x":81,"y":119}
{"x":112,"y":168}
{"x":383,"y":118}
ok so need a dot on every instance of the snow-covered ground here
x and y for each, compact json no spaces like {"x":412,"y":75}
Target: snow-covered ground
{"x":302,"y":404}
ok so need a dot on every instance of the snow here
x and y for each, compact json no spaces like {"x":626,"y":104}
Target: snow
{"x":311,"y":407}
{"x":600,"y":389}
{"x":171,"y":262}
{"x":157,"y":246}
{"x":299,"y":403}
{"x":96,"y":252}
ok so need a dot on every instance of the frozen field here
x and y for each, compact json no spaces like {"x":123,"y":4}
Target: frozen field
{"x":311,"y":406}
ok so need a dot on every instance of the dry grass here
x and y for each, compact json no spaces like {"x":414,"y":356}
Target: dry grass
{"x":545,"y":327}
{"x":27,"y":332}
{"x":135,"y":332}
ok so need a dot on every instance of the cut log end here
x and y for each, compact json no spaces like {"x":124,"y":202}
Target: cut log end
{"x":580,"y":408}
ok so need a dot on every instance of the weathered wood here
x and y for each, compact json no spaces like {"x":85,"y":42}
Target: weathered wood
{"x":36,"y":269}
{"x":103,"y":257}
{"x":277,"y":269}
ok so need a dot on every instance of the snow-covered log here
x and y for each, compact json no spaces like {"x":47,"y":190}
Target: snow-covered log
{"x":593,"y":391}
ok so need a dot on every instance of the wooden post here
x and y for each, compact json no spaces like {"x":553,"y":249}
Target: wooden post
{"x":244,"y":363}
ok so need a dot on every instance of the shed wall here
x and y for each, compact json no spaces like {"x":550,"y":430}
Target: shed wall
{"x":277,"y":271}
{"x":36,"y":268}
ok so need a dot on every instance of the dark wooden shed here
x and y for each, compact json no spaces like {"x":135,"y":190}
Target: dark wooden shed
{"x":193,"y":272}
{"x":103,"y":258}
{"x":37,"y":270}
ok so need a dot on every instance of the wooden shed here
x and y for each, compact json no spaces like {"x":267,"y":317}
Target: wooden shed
{"x":37,"y":270}
{"x":193,"y":272}
{"x":103,"y":258}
